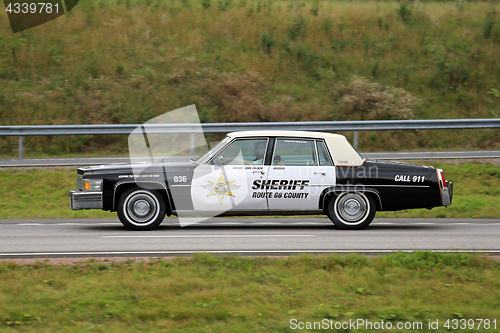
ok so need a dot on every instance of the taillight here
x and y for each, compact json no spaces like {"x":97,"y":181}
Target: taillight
{"x":443,"y":180}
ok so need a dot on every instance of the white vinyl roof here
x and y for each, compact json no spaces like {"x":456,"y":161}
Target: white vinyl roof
{"x":342,"y":152}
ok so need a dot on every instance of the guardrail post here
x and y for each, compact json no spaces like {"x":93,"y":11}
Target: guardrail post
{"x":20,"y":147}
{"x":192,"y":144}
{"x":355,"y":141}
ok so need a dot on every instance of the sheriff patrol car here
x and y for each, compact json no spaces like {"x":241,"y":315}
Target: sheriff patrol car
{"x":259,"y":173}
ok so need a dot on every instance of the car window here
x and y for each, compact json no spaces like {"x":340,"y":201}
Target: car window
{"x":294,"y":152}
{"x":214,"y":149}
{"x":242,"y":152}
{"x":324,"y":157}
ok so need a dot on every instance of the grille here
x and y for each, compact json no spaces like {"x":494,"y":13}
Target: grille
{"x":89,"y":197}
{"x":79,"y":182}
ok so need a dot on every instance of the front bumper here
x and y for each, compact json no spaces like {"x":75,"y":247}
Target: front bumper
{"x":85,"y":200}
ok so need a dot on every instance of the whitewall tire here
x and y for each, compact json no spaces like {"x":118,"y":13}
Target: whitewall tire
{"x":351,"y":210}
{"x":141,"y":209}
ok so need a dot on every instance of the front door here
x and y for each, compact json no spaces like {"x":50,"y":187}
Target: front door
{"x":225,"y":183}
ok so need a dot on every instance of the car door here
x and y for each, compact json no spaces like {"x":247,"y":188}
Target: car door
{"x":225,"y":182}
{"x":298,"y":174}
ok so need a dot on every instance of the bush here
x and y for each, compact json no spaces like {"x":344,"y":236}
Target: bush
{"x":364,"y":100}
{"x":241,"y":97}
{"x":267,"y":42}
{"x":404,"y":12}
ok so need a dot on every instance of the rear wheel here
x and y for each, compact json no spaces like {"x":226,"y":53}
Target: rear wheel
{"x":351,"y":210}
{"x":141,"y":209}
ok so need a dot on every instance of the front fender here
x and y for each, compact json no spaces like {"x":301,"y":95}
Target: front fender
{"x":121,"y":186}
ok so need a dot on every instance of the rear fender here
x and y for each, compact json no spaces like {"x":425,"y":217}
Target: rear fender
{"x":342,"y":189}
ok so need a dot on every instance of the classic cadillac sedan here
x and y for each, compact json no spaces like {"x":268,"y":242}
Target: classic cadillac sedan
{"x":262,"y":173}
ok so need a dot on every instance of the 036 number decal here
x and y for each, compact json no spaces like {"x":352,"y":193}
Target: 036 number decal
{"x":180,"y":179}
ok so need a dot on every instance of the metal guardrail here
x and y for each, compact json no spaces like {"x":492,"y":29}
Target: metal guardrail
{"x":367,"y":125}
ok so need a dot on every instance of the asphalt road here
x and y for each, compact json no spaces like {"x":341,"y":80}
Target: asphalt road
{"x":81,"y":161}
{"x":56,"y":238}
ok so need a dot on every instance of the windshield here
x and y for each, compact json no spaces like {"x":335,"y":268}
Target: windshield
{"x":212,"y":151}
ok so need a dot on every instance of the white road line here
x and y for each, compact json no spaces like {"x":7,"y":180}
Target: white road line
{"x":478,"y":223}
{"x":222,"y":224}
{"x":160,"y":253}
{"x":31,"y":224}
{"x":483,"y":223}
{"x":69,"y":223}
{"x":271,"y":223}
{"x":203,"y":236}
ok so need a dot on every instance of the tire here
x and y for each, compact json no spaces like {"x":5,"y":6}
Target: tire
{"x":351,"y":210}
{"x":141,"y":209}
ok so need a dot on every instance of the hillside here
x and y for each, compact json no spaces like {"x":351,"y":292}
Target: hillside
{"x":126,"y":61}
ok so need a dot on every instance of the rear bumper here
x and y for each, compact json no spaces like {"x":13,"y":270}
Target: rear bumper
{"x":85,"y":200}
{"x":447,"y":194}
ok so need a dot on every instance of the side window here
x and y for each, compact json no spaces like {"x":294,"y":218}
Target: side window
{"x":242,"y":152}
{"x":294,"y":152}
{"x":324,"y":157}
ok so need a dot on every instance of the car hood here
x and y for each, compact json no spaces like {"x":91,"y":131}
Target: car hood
{"x":128,"y":168}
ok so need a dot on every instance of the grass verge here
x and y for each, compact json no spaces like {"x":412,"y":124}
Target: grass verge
{"x":207,"y":293}
{"x":43,"y":193}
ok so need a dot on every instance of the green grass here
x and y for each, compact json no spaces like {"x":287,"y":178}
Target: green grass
{"x":38,"y":193}
{"x":207,"y":293}
{"x":126,"y":61}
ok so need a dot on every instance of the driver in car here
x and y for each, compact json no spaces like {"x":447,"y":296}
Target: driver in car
{"x":259,"y":151}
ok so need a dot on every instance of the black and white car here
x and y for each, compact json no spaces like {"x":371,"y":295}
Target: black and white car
{"x":261,"y":173}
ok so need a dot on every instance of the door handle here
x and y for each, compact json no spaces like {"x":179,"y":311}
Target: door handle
{"x":322,"y":173}
{"x":261,"y":172}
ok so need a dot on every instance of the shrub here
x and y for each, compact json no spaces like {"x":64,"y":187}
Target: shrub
{"x":298,"y":28}
{"x":236,"y":97}
{"x":488,"y":24}
{"x":327,"y":24}
{"x":404,"y":12}
{"x":205,"y":3}
{"x":242,"y":97}
{"x":315,"y":8}
{"x":365,"y":100}
{"x":267,"y":41}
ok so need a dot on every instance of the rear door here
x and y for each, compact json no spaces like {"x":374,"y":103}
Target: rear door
{"x":300,"y":170}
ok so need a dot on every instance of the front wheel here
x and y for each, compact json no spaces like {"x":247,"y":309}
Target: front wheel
{"x":353,"y":211}
{"x":141,"y":209}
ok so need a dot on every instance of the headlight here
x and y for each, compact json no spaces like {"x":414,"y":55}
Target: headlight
{"x":92,"y":185}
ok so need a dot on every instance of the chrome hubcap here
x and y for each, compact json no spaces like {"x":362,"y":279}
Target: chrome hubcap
{"x":352,"y":207}
{"x":141,"y":208}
